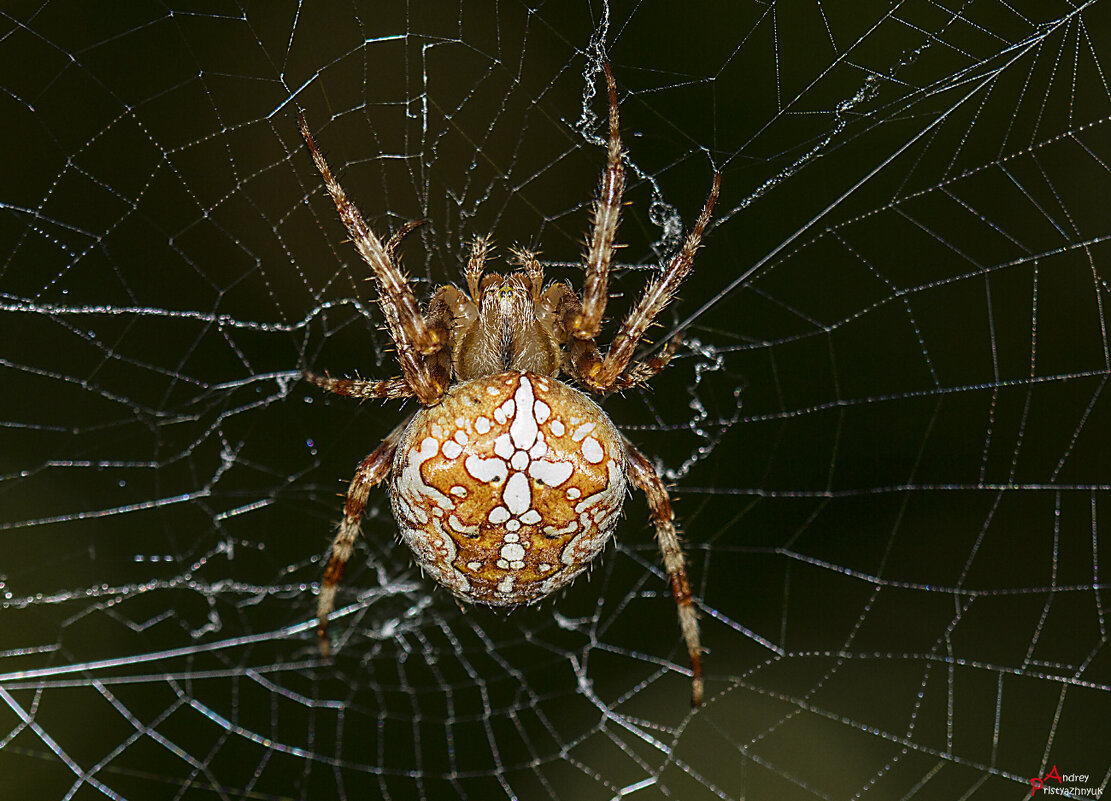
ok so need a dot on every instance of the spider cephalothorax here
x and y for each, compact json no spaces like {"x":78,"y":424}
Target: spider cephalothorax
{"x":507,"y":482}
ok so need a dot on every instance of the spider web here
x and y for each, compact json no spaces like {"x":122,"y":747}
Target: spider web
{"x":886,"y":430}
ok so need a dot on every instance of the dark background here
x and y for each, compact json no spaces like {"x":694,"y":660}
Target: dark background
{"x":886,"y":433}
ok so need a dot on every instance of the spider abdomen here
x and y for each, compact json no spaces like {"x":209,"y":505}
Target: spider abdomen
{"x":509,"y":487}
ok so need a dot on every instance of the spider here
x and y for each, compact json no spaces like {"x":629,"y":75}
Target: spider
{"x":507,"y":482}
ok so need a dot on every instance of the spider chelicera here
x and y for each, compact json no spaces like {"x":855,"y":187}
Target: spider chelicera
{"x":506,"y":483}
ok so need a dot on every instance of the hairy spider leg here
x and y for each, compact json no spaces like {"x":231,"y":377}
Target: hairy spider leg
{"x":607,"y":375}
{"x":606,"y":215}
{"x":402,"y":232}
{"x":412,"y":337}
{"x":654,"y":300}
{"x":641,"y":372}
{"x":358,"y":388}
{"x":641,"y":472}
{"x":371,"y":471}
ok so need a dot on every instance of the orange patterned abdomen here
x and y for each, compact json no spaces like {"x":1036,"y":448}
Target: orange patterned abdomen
{"x":509,"y":487}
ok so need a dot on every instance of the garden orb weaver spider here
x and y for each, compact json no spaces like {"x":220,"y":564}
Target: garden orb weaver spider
{"x":507,"y":482}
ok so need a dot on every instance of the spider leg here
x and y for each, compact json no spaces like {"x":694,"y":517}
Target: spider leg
{"x":372,"y":470}
{"x":407,"y":328}
{"x":641,"y":372}
{"x":402,"y":232}
{"x":644,"y":476}
{"x":607,"y":213}
{"x":655,"y":298}
{"x":442,"y":312}
{"x":358,"y":388}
